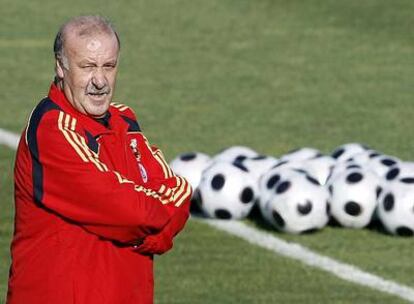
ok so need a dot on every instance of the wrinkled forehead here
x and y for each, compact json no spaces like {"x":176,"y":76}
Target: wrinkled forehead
{"x":79,"y":31}
{"x":96,"y":42}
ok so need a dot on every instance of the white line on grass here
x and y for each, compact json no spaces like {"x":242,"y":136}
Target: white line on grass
{"x":9,"y":139}
{"x":290,"y":250}
{"x":308,"y":257}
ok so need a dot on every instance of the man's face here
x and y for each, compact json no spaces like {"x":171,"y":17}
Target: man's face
{"x":89,"y":72}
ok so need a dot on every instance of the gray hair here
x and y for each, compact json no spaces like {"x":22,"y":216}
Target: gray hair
{"x":84,"y":26}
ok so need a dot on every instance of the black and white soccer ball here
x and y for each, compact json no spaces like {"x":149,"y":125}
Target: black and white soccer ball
{"x":190,"y":165}
{"x":376,"y":161}
{"x":363,"y":158}
{"x":381,"y":164}
{"x":396,"y":208}
{"x":226,"y":191}
{"x":267,"y":184}
{"x":346,"y":151}
{"x":297,"y":202}
{"x":258,"y":165}
{"x":342,"y":166}
{"x":300,"y":154}
{"x":235,"y":154}
{"x":354,"y":192}
{"x":319,"y":167}
{"x":402,"y":172}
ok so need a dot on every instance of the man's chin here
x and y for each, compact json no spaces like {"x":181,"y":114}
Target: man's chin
{"x":97,"y":111}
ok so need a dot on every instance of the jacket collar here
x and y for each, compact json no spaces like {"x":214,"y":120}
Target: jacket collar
{"x":90,"y":124}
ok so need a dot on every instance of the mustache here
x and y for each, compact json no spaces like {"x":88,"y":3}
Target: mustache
{"x":94,"y":90}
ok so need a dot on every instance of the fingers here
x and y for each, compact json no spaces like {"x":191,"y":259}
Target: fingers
{"x":155,"y":244}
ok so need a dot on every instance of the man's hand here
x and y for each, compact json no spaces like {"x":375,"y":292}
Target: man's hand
{"x":178,"y":191}
{"x":155,"y":244}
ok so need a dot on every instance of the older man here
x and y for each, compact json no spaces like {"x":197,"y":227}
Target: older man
{"x":94,"y":201}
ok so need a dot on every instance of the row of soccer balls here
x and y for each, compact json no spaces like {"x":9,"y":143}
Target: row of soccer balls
{"x":302,"y":190}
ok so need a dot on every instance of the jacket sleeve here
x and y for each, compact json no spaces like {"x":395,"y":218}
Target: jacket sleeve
{"x":182,"y":205}
{"x":178,"y":218}
{"x":153,"y":158}
{"x":162,"y":241}
{"x":70,"y":180}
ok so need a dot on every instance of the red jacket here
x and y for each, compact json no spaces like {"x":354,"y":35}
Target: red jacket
{"x":87,"y":196}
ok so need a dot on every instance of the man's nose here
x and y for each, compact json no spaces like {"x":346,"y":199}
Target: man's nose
{"x":99,"y":79}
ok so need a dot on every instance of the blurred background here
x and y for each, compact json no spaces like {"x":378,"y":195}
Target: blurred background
{"x":269,"y":74}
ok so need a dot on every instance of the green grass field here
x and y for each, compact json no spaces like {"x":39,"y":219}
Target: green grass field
{"x":272,"y":75}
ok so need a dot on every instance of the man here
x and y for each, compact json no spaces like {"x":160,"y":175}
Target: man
{"x":94,"y":201}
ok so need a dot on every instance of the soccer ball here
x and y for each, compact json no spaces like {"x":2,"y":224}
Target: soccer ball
{"x":297,"y":203}
{"x":377,"y":162}
{"x":267,"y":184}
{"x":342,"y":166}
{"x":191,"y":165}
{"x":346,"y":151}
{"x":381,"y":164}
{"x":226,"y":191}
{"x":396,"y":208}
{"x":403,"y":172}
{"x":300,"y":154}
{"x":354,"y":193}
{"x":258,"y":165}
{"x":364,"y":157}
{"x":318,"y":167}
{"x":235,"y":153}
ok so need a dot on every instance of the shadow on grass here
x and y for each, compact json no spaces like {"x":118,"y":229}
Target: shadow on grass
{"x":255,"y":217}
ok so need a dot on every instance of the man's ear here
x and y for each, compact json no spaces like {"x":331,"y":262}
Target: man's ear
{"x":59,"y":69}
